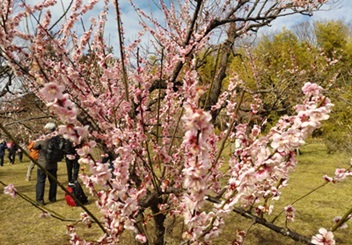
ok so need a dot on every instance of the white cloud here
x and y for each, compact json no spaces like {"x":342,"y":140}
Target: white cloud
{"x":340,"y":10}
{"x":130,"y":19}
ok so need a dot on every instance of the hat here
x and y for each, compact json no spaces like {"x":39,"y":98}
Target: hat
{"x":50,"y":126}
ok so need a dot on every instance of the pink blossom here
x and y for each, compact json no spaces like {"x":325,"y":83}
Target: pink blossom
{"x":70,"y":229}
{"x":100,"y":173}
{"x":240,"y":237}
{"x":52,"y":91}
{"x":319,"y":114}
{"x":255,"y":131}
{"x":86,"y":148}
{"x":85,"y":219}
{"x":10,"y":190}
{"x":156,"y":152}
{"x":290,"y":213}
{"x":337,"y":220}
{"x":141,"y":238}
{"x":323,"y":238}
{"x":75,"y":134}
{"x":66,"y":115}
{"x":196,"y":118}
{"x":310,"y":89}
{"x":327,"y":178}
{"x":44,"y":215}
{"x":340,"y":174}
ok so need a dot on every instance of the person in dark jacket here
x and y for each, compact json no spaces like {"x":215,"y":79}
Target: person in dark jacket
{"x":51,"y":167}
{"x":71,"y":159}
{"x":12,"y":149}
{"x":3,"y":147}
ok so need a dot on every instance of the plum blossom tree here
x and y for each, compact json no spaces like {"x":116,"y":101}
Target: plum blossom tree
{"x":169,"y":162}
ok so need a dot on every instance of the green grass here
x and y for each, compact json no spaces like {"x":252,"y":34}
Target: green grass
{"x":314,"y":211}
{"x":20,"y":224}
{"x":19,"y":220}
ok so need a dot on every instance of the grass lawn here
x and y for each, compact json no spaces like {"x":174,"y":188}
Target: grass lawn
{"x":314,"y":211}
{"x":20,"y":222}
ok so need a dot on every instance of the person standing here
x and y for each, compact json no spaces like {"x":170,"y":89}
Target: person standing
{"x":50,"y":166}
{"x":20,"y":152}
{"x":3,"y":147}
{"x":71,"y":159}
{"x":12,"y":149}
{"x":33,"y":153}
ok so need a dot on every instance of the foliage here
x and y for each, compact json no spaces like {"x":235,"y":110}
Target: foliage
{"x":332,"y":36}
{"x":23,"y":115}
{"x":284,"y":61}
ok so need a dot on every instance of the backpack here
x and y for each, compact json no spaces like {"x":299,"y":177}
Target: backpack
{"x":76,"y":190}
{"x":32,"y":152}
{"x":54,"y":151}
{"x":69,"y":200}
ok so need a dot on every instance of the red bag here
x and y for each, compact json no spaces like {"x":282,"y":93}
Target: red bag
{"x":69,"y":200}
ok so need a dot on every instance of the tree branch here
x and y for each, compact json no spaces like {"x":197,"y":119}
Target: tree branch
{"x":281,"y":230}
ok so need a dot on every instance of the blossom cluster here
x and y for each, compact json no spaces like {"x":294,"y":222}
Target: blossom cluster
{"x":167,"y":157}
{"x":324,"y":237}
{"x":261,"y":164}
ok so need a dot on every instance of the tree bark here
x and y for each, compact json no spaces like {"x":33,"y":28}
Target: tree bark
{"x":159,"y":220}
{"x":225,"y":52}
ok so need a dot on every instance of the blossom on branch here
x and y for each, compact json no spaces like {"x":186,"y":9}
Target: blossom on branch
{"x":337,"y":219}
{"x":52,"y":91}
{"x":151,"y":115}
{"x":324,"y":237}
{"x":290,"y":213}
{"x":10,"y":190}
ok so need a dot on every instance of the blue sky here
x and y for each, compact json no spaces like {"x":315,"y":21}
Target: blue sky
{"x":342,"y":10}
{"x":333,"y":10}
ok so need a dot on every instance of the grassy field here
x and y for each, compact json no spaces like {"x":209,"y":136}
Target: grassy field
{"x":316,"y":210}
{"x":20,"y":222}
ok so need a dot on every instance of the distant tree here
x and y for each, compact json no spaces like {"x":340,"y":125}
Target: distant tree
{"x":335,"y":40}
{"x":275,"y":60}
{"x":305,"y":32}
{"x":275,"y":69}
{"x":21,"y":111}
{"x":332,"y":36}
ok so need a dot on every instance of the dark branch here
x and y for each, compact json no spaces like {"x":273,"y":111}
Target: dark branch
{"x":281,"y":230}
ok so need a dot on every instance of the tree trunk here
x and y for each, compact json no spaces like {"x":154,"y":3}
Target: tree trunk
{"x":225,"y":53}
{"x":159,"y":220}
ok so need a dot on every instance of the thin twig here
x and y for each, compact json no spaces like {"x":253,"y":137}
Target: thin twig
{"x":44,"y":209}
{"x":122,"y":49}
{"x":300,"y":198}
{"x":281,"y":230}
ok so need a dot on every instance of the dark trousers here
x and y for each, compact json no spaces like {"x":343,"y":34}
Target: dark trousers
{"x":12,"y":157}
{"x":40,"y":187}
{"x":20,"y":156}
{"x":72,"y":169}
{"x":2,"y":160}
